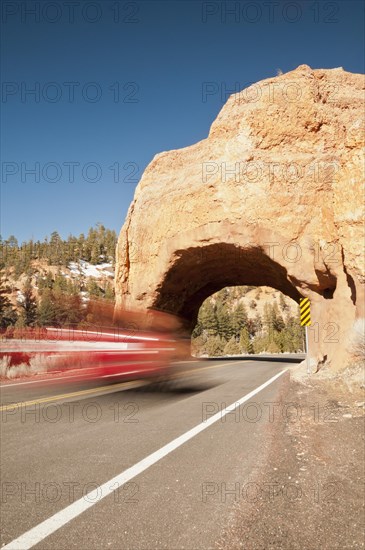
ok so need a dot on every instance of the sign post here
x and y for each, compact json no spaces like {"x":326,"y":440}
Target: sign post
{"x":305,"y":321}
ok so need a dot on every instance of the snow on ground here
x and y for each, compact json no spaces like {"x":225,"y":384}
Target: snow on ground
{"x":88,"y":270}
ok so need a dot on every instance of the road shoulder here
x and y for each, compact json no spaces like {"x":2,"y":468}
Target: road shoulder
{"x":309,"y":490}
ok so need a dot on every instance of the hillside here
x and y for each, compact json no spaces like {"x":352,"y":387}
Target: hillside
{"x":247,"y":319}
{"x":52,"y":283}
{"x":84,"y":276}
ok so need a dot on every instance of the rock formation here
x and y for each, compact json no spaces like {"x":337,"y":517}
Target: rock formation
{"x":273,"y":196}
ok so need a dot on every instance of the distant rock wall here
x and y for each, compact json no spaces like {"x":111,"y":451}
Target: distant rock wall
{"x":274,"y":196}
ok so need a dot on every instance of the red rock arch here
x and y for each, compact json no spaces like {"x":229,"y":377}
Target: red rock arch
{"x":228,"y":210}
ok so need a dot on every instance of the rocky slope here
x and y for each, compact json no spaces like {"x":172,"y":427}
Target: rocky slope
{"x":78,"y":272}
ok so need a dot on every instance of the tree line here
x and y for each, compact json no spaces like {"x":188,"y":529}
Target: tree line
{"x":59,"y":300}
{"x":96,"y":247}
{"x":225,"y":328}
{"x":224,"y":325}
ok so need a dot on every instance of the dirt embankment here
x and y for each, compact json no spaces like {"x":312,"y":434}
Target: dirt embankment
{"x":309,"y":493}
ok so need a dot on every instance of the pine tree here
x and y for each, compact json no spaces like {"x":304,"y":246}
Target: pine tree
{"x":260,"y":344}
{"x":60,"y":282}
{"x":245,"y":341}
{"x":254,"y":325}
{"x":225,"y":327}
{"x":46,"y":282}
{"x":73,"y":311}
{"x":47,"y":310}
{"x":55,"y":254}
{"x":232,"y":347}
{"x":207,"y":318}
{"x":239,"y":318}
{"x":214,"y":346}
{"x":28,"y":305}
{"x":273,"y":347}
{"x":8,"y":315}
{"x":93,"y":289}
{"x":198,"y":345}
{"x":278,"y":321}
{"x":198,"y":330}
{"x":295,"y":333}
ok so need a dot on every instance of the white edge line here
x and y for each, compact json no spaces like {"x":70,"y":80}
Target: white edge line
{"x":59,"y":519}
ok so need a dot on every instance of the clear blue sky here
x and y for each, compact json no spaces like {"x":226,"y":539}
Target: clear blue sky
{"x":157,"y":55}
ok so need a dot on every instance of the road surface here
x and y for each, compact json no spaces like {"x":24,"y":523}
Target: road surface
{"x":86,"y":466}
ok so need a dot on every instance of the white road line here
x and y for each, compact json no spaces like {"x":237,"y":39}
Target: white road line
{"x":61,"y":518}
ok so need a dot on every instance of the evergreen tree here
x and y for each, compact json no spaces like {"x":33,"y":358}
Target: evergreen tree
{"x":8,"y":314}
{"x":225,"y":327}
{"x":47,"y":309}
{"x":294,"y":334}
{"x":197,"y":331}
{"x":239,"y":318}
{"x":254,"y":325}
{"x":273,"y":347}
{"x":109,"y":292}
{"x":214,"y":346}
{"x":59,"y":309}
{"x":55,"y":254}
{"x":278,"y":321}
{"x":45,"y":282}
{"x":93,"y":289}
{"x":198,"y":345}
{"x":260,"y":344}
{"x":207,"y":318}
{"x":28,"y":306}
{"x":73,"y":312}
{"x":232,"y":347}
{"x":245,"y":341}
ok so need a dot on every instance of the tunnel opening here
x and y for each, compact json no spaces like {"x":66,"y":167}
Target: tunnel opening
{"x":199,"y":272}
{"x":247,"y":320}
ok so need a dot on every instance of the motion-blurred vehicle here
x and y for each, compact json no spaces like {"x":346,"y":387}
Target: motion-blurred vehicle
{"x":98,"y":352}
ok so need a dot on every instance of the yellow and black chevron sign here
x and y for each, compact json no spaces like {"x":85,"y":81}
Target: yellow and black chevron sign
{"x":305,"y":312}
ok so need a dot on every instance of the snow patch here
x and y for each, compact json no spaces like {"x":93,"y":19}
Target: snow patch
{"x":88,"y":270}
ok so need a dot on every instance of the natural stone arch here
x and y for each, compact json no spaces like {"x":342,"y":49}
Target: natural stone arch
{"x":198,"y":273}
{"x":273,"y":173}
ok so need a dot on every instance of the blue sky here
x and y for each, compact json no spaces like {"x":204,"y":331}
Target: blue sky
{"x":117,"y":82}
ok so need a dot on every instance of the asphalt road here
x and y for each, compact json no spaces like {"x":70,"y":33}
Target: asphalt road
{"x":104,"y":462}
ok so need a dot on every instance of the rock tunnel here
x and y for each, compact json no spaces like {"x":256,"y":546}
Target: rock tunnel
{"x":272,"y":197}
{"x":199,"y":273}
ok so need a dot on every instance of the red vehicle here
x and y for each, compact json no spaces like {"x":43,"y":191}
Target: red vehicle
{"x":90,"y":354}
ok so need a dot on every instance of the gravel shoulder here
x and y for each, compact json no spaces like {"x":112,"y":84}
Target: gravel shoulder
{"x":308,"y":491}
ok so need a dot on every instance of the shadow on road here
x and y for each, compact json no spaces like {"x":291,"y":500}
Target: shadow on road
{"x":298,"y":358}
{"x":173,"y":387}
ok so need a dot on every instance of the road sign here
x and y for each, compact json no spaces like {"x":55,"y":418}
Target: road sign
{"x":305,"y":312}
